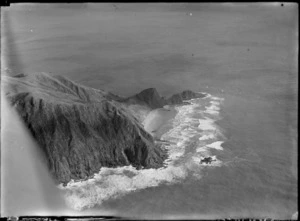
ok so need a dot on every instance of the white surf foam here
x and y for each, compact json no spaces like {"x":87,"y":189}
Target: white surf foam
{"x":216,"y":145}
{"x":207,"y":136}
{"x":214,"y":108}
{"x":183,"y":159}
{"x":207,"y":95}
{"x":201,"y":149}
{"x":213,"y":112}
{"x":216,"y":98}
{"x":207,"y":124}
{"x":215,"y":102}
{"x":112,"y":182}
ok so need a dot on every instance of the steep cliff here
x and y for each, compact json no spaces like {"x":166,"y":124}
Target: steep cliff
{"x":80,"y":129}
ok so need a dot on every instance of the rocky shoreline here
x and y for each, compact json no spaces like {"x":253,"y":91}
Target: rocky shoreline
{"x":81,"y":129}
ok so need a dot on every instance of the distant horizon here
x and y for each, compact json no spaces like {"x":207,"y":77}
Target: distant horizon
{"x":135,"y":47}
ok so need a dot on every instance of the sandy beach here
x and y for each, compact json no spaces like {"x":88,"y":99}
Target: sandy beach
{"x":158,"y":121}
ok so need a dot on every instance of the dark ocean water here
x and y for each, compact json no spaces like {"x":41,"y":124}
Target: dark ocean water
{"x":244,"y":54}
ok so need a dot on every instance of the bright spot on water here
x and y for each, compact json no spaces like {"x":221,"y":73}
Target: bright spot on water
{"x":31,"y":30}
{"x":191,"y":14}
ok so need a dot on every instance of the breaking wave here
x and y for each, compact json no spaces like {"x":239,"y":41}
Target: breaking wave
{"x":191,"y":137}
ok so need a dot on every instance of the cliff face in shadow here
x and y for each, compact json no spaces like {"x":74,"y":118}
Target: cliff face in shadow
{"x":80,"y":129}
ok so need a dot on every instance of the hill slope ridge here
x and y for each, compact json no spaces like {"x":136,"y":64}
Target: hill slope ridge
{"x":80,"y":129}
